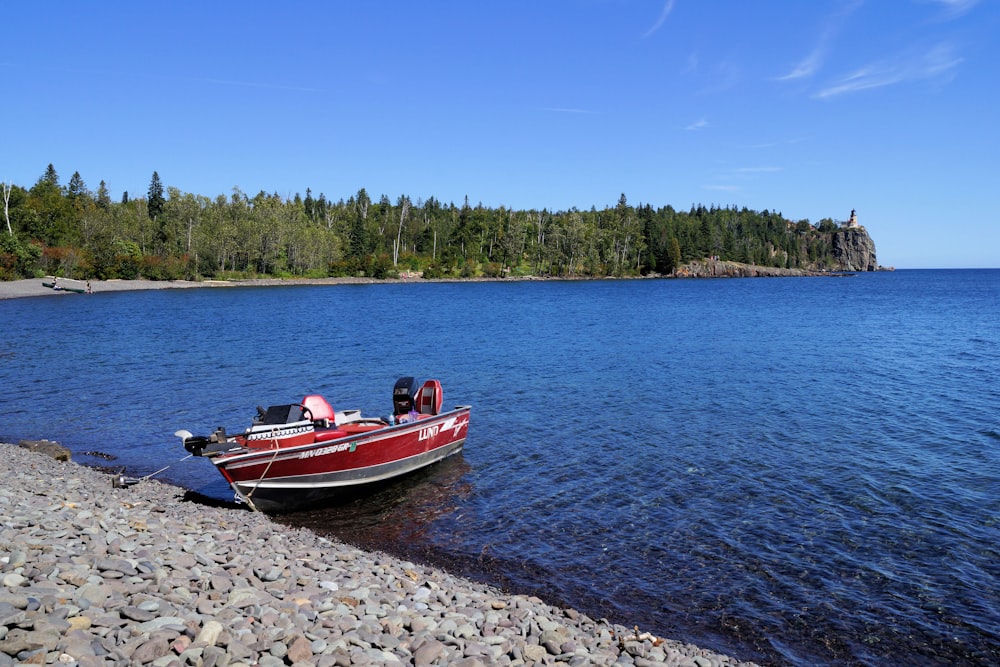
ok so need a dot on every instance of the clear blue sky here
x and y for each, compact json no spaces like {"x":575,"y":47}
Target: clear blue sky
{"x":807,"y":107}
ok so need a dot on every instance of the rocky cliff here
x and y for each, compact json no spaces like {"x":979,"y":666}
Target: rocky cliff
{"x":714,"y":268}
{"x":854,"y":250}
{"x":847,"y":249}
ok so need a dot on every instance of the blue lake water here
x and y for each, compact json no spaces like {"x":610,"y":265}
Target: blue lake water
{"x":793,"y":471}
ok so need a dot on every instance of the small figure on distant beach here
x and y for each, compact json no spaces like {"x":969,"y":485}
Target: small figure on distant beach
{"x":89,"y":288}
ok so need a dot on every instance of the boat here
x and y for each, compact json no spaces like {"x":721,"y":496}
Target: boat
{"x":66,"y":285}
{"x":304,"y":454}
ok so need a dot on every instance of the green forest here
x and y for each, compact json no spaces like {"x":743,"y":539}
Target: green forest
{"x":75,"y":232}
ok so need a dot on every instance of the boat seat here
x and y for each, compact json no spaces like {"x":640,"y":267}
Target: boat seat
{"x":318,"y":407}
{"x":429,"y":398}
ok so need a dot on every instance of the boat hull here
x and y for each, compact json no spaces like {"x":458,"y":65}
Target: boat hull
{"x":61,"y":288}
{"x":288,"y":477}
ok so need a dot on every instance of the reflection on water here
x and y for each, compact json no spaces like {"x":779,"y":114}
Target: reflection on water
{"x":393,"y":516}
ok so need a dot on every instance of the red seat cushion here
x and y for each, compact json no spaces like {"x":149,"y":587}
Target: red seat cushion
{"x":318,"y":406}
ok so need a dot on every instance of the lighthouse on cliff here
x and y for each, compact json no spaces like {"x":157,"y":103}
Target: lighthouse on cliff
{"x":852,"y":223}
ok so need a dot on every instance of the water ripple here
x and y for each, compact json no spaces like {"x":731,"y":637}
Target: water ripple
{"x":793,"y":471}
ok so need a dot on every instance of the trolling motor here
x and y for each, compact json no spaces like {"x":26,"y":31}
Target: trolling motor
{"x":197,"y":445}
{"x":202,"y":445}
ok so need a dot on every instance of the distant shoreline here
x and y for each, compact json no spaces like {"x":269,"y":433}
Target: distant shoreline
{"x":32,"y":287}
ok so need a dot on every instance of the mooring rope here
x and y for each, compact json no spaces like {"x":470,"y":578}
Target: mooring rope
{"x":122,"y":481}
{"x":277,"y":448}
{"x":182,"y":460}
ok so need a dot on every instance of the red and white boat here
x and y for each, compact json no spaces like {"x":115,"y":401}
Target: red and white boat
{"x":304,"y":453}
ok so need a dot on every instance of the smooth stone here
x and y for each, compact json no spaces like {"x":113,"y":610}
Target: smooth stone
{"x":300,"y":650}
{"x":13,"y":579}
{"x":209,"y":634}
{"x":428,"y":652}
{"x":175,"y":622}
{"x":150,"y":650}
{"x":136,"y":614}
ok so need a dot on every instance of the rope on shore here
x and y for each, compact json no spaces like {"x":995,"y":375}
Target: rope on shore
{"x":121,"y":481}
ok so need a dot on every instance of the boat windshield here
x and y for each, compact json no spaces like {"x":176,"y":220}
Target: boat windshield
{"x":281,"y":414}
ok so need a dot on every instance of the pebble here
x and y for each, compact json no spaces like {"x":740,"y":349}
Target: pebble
{"x":93,"y":576}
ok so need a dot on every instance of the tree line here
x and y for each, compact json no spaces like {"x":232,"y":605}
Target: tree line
{"x":71,"y":231}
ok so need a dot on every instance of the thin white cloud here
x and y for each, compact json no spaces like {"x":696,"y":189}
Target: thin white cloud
{"x":937,"y":63}
{"x":664,"y":13}
{"x":865,"y":78}
{"x":699,"y":124}
{"x":812,"y":63}
{"x":808,"y":66}
{"x":955,"y":8}
{"x":737,"y":178}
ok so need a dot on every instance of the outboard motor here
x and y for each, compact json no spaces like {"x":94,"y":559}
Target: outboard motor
{"x":404,"y":396}
{"x":206,"y":445}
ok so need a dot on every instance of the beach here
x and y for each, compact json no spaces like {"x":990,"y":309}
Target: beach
{"x":14,"y":289}
{"x":95,"y":573}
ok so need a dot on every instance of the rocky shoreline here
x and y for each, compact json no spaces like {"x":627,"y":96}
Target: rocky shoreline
{"x":93,"y":574}
{"x":707,"y":268}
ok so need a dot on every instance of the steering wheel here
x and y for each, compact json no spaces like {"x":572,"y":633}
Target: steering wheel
{"x":306,"y":411}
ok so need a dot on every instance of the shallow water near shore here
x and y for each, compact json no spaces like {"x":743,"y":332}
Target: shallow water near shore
{"x":793,"y":471}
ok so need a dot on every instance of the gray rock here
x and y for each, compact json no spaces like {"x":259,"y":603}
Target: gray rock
{"x":174,"y":622}
{"x":47,"y":448}
{"x":209,"y":634}
{"x":149,"y":651}
{"x":13,"y":579}
{"x":19,"y":641}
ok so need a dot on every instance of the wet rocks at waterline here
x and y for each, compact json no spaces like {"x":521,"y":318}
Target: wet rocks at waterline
{"x":94,"y":574}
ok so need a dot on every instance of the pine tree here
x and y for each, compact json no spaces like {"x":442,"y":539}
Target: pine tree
{"x":155,"y":200}
{"x":77,"y":188}
{"x":309,"y":204}
{"x":358,"y":237}
{"x":675,"y":254}
{"x":103,"y":196}
{"x":50,"y":176}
